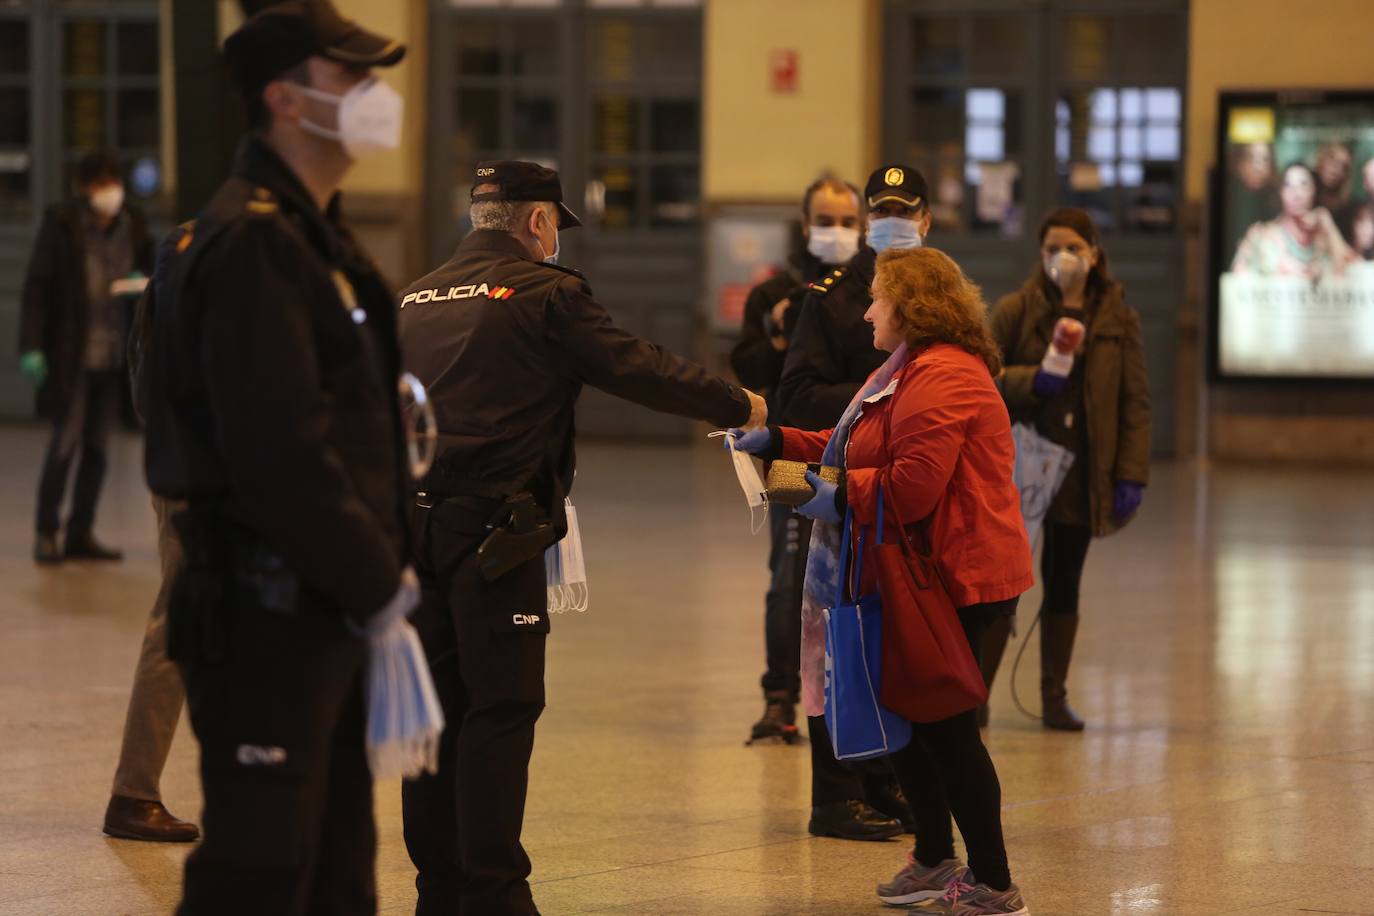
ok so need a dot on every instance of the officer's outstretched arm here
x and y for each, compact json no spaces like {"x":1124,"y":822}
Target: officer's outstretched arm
{"x":597,"y":352}
{"x":270,"y":414}
{"x":814,"y":391}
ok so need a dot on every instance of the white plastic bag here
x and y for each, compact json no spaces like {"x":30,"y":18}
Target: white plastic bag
{"x":566,"y":568}
{"x":404,"y":718}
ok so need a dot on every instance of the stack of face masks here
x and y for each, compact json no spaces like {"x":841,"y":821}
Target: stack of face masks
{"x":566,"y":569}
{"x":404,"y":718}
{"x":755,"y":493}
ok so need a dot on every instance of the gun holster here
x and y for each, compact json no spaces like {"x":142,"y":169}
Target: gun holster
{"x":520,"y":531}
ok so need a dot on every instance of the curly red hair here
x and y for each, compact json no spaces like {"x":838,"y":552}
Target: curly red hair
{"x":934,"y":302}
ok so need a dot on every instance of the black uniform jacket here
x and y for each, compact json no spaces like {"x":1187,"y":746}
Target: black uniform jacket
{"x":757,"y":363}
{"x":55,"y":315}
{"x":269,"y":384}
{"x":504,"y":345}
{"x":831,"y":353}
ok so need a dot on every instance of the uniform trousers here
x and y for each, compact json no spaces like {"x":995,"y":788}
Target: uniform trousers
{"x":84,"y":430}
{"x":485,"y":642}
{"x":280,"y":717}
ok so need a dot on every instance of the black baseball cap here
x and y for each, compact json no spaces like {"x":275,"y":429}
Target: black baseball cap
{"x":896,"y":182}
{"x":523,"y":181}
{"x":284,"y":34}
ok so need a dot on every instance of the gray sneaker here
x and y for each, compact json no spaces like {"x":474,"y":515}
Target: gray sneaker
{"x":962,"y":899}
{"x":915,"y":883}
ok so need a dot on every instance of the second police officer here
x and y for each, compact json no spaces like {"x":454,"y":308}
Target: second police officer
{"x":831,"y":211}
{"x":831,"y":355}
{"x":504,"y":339}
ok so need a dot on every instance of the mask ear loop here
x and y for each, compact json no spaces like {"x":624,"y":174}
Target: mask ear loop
{"x":757,"y":519}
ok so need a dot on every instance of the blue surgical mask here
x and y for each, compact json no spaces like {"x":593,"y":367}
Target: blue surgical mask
{"x":893,"y":232}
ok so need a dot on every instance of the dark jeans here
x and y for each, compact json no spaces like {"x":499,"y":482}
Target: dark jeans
{"x":946,"y":771}
{"x":790,"y":534}
{"x":485,"y":642}
{"x":85,"y":427}
{"x":288,"y":793}
{"x":1061,"y":566}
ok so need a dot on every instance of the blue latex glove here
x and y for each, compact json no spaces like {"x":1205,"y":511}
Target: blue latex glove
{"x":751,"y":442}
{"x":1127,"y":498}
{"x":822,"y":506}
{"x":1047,"y":384}
{"x":34,"y":366}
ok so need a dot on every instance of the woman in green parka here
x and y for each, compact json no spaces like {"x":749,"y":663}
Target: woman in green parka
{"x":1093,"y":400}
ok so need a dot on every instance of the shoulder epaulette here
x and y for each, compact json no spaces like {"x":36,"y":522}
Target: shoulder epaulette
{"x":827,"y":283}
{"x":261,"y":202}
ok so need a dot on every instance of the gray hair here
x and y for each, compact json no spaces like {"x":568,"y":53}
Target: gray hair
{"x":505,"y":215}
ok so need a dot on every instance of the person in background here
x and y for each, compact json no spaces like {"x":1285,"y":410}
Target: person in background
{"x":1334,"y":166}
{"x":831,"y":212}
{"x":72,"y":335}
{"x":1094,"y":401}
{"x":928,"y":435}
{"x":1252,"y":191}
{"x":830,"y":356}
{"x":1356,"y":221}
{"x":1302,"y":242}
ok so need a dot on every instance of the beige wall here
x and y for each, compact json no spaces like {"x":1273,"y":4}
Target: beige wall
{"x":762,"y":146}
{"x":1268,"y":44}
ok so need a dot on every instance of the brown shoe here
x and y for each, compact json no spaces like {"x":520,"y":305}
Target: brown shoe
{"x":137,"y":819}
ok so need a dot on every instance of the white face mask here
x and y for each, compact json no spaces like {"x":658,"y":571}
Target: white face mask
{"x":755,"y":493}
{"x":1065,"y":270}
{"x":369,"y":117}
{"x":108,"y":201}
{"x":557,"y":244}
{"x":832,"y":244}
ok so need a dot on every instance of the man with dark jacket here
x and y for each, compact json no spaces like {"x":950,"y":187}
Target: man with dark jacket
{"x":91,"y":250}
{"x":272,"y":411}
{"x":830,"y":217}
{"x":830,"y":357}
{"x":504,"y":339}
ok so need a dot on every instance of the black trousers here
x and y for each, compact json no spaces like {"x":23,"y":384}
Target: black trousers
{"x":288,"y":824}
{"x":1061,"y":566}
{"x":790,"y":534}
{"x":83,"y":429}
{"x":946,"y":771}
{"x":485,"y":642}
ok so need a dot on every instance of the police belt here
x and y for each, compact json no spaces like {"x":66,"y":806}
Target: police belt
{"x":519,"y":529}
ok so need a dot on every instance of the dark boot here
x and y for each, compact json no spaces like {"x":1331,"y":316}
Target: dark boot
{"x":885,"y":797}
{"x":82,"y":545}
{"x":852,"y":820}
{"x":990,"y":656}
{"x":779,"y":719}
{"x":1057,"y":633}
{"x":45,"y":549}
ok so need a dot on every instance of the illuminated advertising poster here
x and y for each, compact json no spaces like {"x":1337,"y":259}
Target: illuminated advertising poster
{"x":1294,"y":249}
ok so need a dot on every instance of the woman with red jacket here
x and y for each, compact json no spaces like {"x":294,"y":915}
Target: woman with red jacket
{"x":931,"y":431}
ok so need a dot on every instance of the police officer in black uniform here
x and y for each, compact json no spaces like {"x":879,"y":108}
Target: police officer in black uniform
{"x":270,"y":385}
{"x":504,"y":338}
{"x":831,"y":215}
{"x":830,"y":356}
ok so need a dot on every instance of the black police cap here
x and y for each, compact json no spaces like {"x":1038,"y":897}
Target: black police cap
{"x":284,"y":34}
{"x":901,"y":183}
{"x":517,"y":180}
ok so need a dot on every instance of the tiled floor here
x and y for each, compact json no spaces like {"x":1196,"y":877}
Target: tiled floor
{"x":1226,"y":666}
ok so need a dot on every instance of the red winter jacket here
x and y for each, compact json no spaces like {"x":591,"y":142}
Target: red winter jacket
{"x":938,"y":440}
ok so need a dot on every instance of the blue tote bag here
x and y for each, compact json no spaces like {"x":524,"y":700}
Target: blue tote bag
{"x":860,"y":726}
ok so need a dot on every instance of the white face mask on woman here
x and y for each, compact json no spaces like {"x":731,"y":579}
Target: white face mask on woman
{"x":369,"y":117}
{"x":1065,"y":269}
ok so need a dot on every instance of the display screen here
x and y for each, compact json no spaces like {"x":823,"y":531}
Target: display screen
{"x":1294,"y":244}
